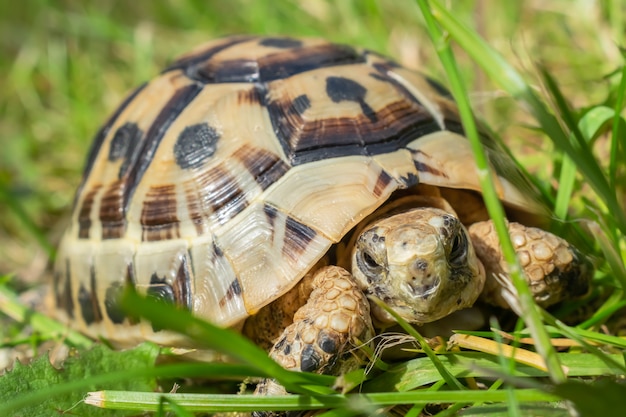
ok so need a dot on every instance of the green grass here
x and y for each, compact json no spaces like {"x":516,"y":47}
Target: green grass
{"x":549,"y":80}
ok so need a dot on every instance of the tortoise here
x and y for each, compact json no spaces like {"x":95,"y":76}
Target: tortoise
{"x":275,"y":184}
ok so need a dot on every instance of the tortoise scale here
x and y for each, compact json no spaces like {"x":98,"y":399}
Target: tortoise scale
{"x":251,"y":162}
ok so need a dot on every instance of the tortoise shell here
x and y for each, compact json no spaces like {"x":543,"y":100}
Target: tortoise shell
{"x":220,"y":183}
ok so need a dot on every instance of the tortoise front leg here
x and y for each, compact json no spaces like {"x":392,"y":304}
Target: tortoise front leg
{"x":554,"y":269}
{"x":326,"y":331}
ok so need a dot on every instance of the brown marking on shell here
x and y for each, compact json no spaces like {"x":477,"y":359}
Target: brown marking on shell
{"x":269,"y":66}
{"x":88,"y":300}
{"x":424,"y":167}
{"x":102,"y":134}
{"x":297,"y":238}
{"x":195,"y":145}
{"x":281,"y":42}
{"x":111,"y":211}
{"x":216,"y":194}
{"x":124,"y":146}
{"x":206,"y":52}
{"x":196,"y":212}
{"x":263,"y":165}
{"x":112,"y":306}
{"x":182,"y":285}
{"x":158,"y":216}
{"x":84,"y":212}
{"x":234,"y":290}
{"x":358,"y":127}
{"x":63,"y":289}
{"x":170,"y":111}
{"x":177,"y":292}
{"x":382,"y":182}
{"x":113,"y":294}
{"x":251,"y":96}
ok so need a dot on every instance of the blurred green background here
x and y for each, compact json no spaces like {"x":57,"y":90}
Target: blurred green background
{"x":65,"y":65}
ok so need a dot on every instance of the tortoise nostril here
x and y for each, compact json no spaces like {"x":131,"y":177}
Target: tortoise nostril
{"x":419,"y":267}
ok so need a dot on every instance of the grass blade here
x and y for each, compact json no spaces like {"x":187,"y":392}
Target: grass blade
{"x":494,"y":207}
{"x":224,"y":341}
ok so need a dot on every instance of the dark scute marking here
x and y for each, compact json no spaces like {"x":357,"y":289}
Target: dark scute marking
{"x":389,"y":63}
{"x":341,"y":89}
{"x":310,"y":360}
{"x":231,"y":71}
{"x":297,"y":238}
{"x":65,"y":300}
{"x":439,"y":87}
{"x":84,"y":212}
{"x":217,"y":250}
{"x":200,"y":57}
{"x":384,"y":68}
{"x":112,"y":305}
{"x":117,"y":198}
{"x":160,"y":290}
{"x":88,"y":300}
{"x":178,"y":294}
{"x":94,"y":151}
{"x":113,"y":296}
{"x":56,"y":287}
{"x":281,"y":42}
{"x":217,"y":188}
{"x":86,"y":306}
{"x":234,"y":290}
{"x":301,"y":103}
{"x":381,"y":183}
{"x":124,"y":145}
{"x":274,"y":66}
{"x":159,"y":220}
{"x":255,"y":95}
{"x":112,"y":212}
{"x":383,"y":76}
{"x":114,"y":230}
{"x":270,"y":213}
{"x":154,"y":135}
{"x":422,"y":167}
{"x":344,"y":89}
{"x":182,"y":285}
{"x":397,"y":125}
{"x":196,"y":212}
{"x":263,"y":165}
{"x":327,"y":343}
{"x":409,"y":180}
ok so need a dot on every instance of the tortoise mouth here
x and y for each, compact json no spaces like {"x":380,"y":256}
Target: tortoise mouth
{"x":423,"y":290}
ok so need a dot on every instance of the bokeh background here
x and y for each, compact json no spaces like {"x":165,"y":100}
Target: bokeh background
{"x":66,"y":64}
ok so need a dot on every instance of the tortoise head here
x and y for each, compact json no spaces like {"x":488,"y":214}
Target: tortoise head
{"x":419,"y":262}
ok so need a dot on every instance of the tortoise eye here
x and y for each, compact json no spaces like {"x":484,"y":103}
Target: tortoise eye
{"x":368,"y":265}
{"x":369,"y":260}
{"x":458,"y":251}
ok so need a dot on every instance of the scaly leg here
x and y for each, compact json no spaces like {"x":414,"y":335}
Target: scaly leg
{"x":555,"y":270}
{"x":326,"y":331}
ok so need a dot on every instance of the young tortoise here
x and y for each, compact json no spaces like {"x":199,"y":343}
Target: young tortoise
{"x":252,"y":162}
